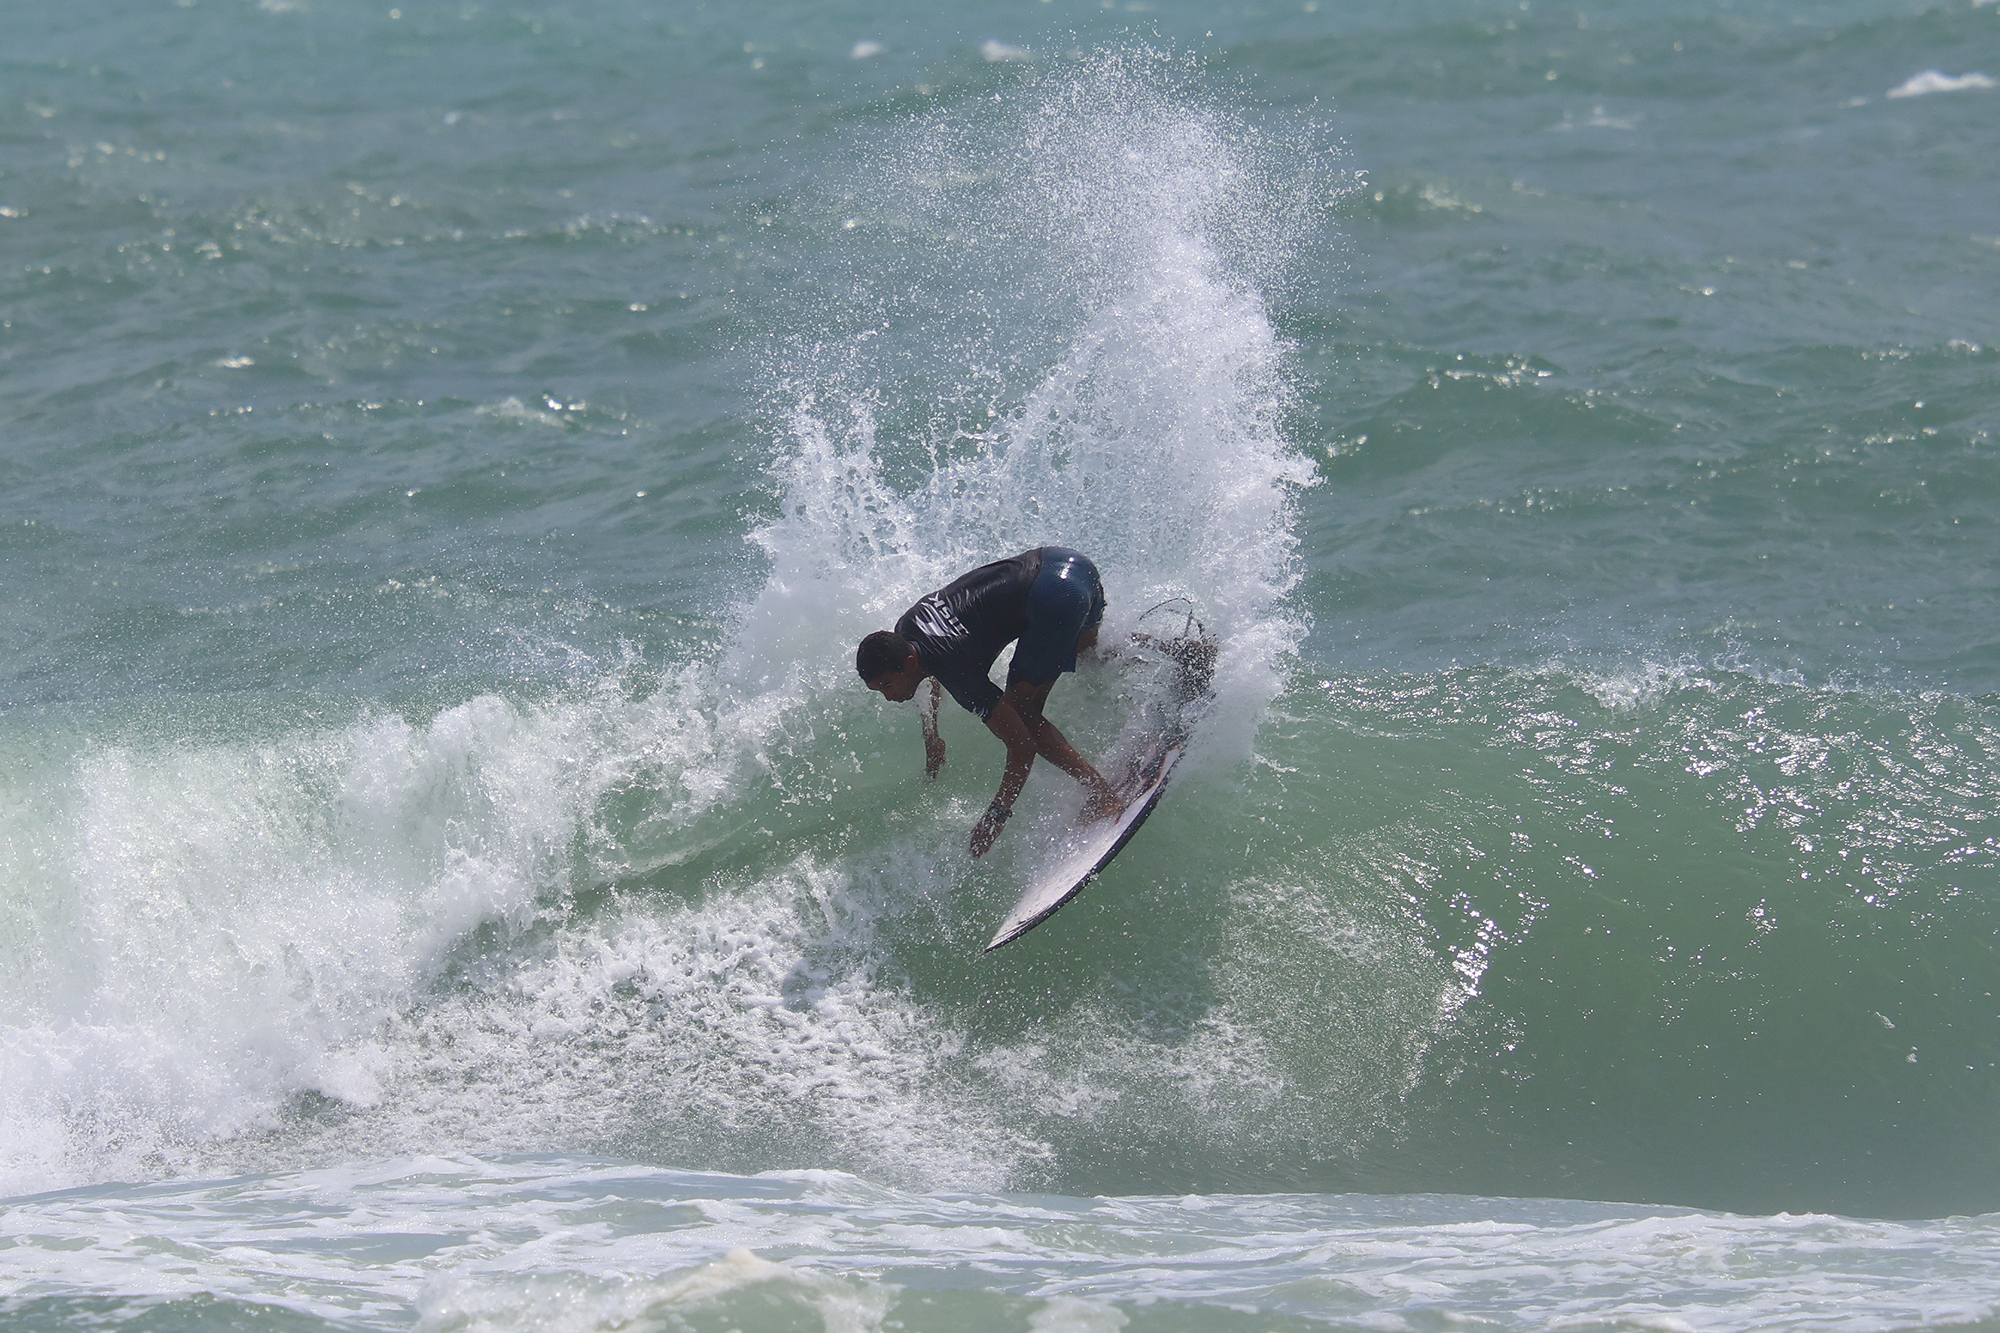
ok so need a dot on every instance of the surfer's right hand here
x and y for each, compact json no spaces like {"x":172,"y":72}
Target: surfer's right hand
{"x":985,"y":831}
{"x":1104,"y":803}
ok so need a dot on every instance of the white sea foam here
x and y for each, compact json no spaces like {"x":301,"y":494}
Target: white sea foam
{"x":1937,"y":81}
{"x":765,"y":1024}
{"x":559,"y":1303}
{"x":222,"y":926}
{"x":1643,"y":681}
{"x":551,"y":1244}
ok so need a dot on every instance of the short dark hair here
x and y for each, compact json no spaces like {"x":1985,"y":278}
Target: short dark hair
{"x":882,"y":653}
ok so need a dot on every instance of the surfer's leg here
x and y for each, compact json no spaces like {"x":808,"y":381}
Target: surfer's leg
{"x":1052,"y":745}
{"x":1065,"y":607}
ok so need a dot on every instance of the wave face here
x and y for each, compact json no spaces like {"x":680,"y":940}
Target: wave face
{"x":706,"y":917}
{"x":448,"y":472}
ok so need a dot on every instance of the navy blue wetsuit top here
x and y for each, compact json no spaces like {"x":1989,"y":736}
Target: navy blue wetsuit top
{"x":959,"y":629}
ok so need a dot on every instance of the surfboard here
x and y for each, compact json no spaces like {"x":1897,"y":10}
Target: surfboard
{"x":1087,"y":855}
{"x":1091,"y":847}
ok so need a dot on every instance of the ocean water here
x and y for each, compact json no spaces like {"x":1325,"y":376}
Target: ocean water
{"x":451,"y":880}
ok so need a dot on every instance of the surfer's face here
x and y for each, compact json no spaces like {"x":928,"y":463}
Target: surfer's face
{"x":899,"y":687}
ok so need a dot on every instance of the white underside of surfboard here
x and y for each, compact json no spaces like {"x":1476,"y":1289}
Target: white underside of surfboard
{"x":1091,"y":847}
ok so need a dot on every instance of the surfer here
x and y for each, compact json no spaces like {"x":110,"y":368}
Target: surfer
{"x":1052,"y":601}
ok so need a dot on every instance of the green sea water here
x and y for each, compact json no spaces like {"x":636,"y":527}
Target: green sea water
{"x":448,"y":453}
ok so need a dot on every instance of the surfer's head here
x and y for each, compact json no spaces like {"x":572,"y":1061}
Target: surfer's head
{"x":889,"y":666}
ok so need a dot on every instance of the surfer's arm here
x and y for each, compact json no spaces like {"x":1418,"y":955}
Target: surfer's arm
{"x":1005,"y":723}
{"x":927,"y":713}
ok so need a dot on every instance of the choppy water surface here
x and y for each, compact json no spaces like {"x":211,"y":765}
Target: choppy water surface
{"x":451,"y":879}
{"x":536,"y":1243}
